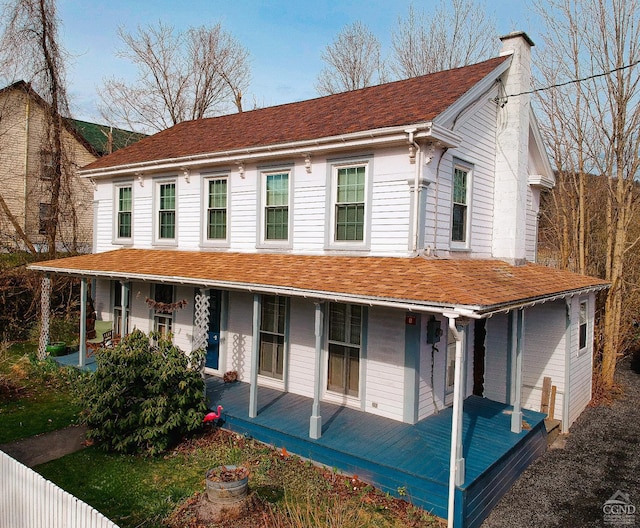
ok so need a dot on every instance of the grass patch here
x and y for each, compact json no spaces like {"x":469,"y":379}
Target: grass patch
{"x":35,"y":396}
{"x":154,"y":492}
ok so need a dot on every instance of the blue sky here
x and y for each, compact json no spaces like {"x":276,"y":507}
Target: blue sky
{"x":285,"y":38}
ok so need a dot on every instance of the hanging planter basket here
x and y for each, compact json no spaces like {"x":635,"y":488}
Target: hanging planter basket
{"x":227,"y":484}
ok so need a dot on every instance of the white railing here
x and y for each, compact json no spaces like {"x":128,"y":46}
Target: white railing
{"x":27,"y":500}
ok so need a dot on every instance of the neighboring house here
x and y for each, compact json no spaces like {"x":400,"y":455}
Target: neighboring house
{"x":370,"y":252}
{"x":25,"y":171}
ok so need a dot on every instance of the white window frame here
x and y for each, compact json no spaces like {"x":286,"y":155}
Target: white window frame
{"x":117,"y":309}
{"x":345,"y":397}
{"x":117,"y":239}
{"x":157,"y":184}
{"x":167,"y":318}
{"x":332,"y":204}
{"x":263,"y":241}
{"x":464,"y":244}
{"x":205,"y":240}
{"x":283,"y":303}
{"x":583,"y":324}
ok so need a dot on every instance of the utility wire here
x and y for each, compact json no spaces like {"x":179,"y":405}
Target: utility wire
{"x":575,"y":80}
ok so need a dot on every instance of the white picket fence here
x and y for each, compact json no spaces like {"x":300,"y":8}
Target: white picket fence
{"x":27,"y":500}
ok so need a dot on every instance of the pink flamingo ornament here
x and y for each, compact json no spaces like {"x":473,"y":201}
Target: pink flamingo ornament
{"x":214,"y":415}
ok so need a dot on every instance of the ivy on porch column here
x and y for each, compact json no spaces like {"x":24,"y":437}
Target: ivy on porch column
{"x":82,"y":349}
{"x":516,"y":351}
{"x":315,"y":422}
{"x":255,"y":350}
{"x":45,"y":310}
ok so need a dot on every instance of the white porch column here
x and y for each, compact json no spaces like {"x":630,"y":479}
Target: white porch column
{"x":123,"y":319}
{"x":315,"y":422}
{"x":456,"y":460}
{"x":82,"y":350}
{"x":45,"y":312}
{"x":255,"y":350}
{"x":516,"y":356}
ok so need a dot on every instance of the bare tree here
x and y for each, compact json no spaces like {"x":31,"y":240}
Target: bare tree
{"x":181,"y":76}
{"x":593,"y":125}
{"x":29,"y":44}
{"x":353,"y":61}
{"x":457,"y":34}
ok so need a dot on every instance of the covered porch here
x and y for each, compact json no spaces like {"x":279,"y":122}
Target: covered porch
{"x":405,"y":460}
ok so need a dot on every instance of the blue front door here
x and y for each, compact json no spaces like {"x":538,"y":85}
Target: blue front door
{"x":213,"y":335}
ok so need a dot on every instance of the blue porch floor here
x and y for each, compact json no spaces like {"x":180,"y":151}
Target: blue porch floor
{"x":393,"y":456}
{"x":71,"y":360}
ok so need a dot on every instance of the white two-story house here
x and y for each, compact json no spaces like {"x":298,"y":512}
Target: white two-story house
{"x":372,"y":250}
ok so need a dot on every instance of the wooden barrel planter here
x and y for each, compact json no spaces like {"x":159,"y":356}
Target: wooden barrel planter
{"x":227,"y":484}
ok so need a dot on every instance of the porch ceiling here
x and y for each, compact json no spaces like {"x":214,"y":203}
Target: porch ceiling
{"x":479,"y":287}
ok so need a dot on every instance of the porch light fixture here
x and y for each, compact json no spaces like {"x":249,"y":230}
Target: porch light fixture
{"x":140,"y":177}
{"x":93,"y":182}
{"x":307,"y":163}
{"x":429,"y":152}
{"x":241,"y":169}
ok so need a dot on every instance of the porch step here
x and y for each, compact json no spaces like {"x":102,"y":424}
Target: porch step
{"x":553,"y":430}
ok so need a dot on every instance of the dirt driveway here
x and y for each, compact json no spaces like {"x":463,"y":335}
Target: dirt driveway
{"x":568,"y":487}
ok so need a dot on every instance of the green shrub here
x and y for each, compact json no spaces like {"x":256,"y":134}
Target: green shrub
{"x":144,"y":396}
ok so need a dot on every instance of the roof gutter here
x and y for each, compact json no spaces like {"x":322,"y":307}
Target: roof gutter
{"x":388,"y":135}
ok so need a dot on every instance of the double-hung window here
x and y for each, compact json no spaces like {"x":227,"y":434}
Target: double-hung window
{"x":44,"y":218}
{"x":276,"y":206}
{"x":460,"y":208}
{"x":166,"y":228}
{"x":582,"y":329}
{"x":217,"y":209}
{"x":349,"y":213}
{"x":345,"y":344}
{"x":272,"y":336}
{"x":162,"y":315}
{"x":118,"y":310}
{"x":124,"y":213}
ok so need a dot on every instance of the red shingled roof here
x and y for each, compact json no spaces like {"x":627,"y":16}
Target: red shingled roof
{"x":416,"y":100}
{"x":486,"y":285}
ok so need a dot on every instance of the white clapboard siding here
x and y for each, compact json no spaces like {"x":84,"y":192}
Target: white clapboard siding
{"x":581,"y":364}
{"x":384,"y":364}
{"x":239,"y":334}
{"x":531,"y":233}
{"x":309,"y":218}
{"x":496,"y":369}
{"x":544,"y":353}
{"x":301,"y":353}
{"x":29,"y":500}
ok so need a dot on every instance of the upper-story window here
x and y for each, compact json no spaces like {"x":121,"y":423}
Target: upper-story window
{"x":44,"y":218}
{"x":217,"y":209}
{"x":125,"y":208}
{"x":461,"y":198}
{"x":166,"y":211}
{"x":350,"y":203}
{"x":275,"y":197}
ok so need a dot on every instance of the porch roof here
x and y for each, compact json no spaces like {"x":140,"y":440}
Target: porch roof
{"x":472,"y":287}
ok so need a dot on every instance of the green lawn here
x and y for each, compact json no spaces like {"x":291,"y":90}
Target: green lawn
{"x":138,"y":491}
{"x":41,"y":399}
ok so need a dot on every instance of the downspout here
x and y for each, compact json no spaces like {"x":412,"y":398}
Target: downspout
{"x":456,"y":459}
{"x":415,"y":155}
